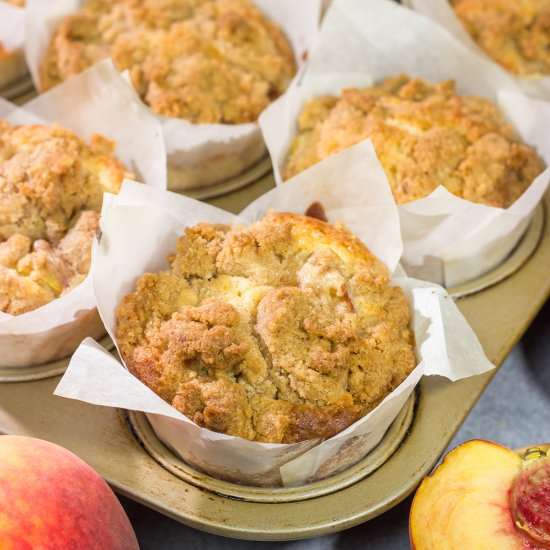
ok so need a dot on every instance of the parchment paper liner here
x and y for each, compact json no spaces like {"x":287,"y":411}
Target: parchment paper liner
{"x":442,"y":13}
{"x":12,"y":38}
{"x":447,"y":240}
{"x":198,"y":154}
{"x":87,"y":106}
{"x":446,"y":345}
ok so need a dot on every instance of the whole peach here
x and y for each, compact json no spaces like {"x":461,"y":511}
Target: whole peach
{"x":51,"y":499}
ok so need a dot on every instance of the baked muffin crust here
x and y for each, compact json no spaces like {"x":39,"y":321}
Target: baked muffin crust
{"x":424,"y":135}
{"x":516,"y":34}
{"x":51,"y":190}
{"x":207,"y":61}
{"x":279,"y":332}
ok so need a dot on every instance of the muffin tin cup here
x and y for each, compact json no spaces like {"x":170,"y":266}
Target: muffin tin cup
{"x":512,"y":263}
{"x":447,"y":240}
{"x":144,"y":432}
{"x":232,"y":174}
{"x":23,"y":350}
{"x":442,"y":13}
{"x":46,"y":370}
{"x":199,"y":155}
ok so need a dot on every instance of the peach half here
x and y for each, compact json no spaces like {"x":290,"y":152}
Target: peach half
{"x":484,"y":497}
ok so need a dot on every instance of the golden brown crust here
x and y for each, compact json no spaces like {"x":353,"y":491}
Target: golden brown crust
{"x":207,"y":61}
{"x":424,"y":135}
{"x":515,"y":34}
{"x":51,"y":190}
{"x":279,"y":332}
{"x":19,"y":3}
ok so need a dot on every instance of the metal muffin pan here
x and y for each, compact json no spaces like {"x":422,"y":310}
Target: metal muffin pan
{"x":123,"y":448}
{"x":139,"y":469}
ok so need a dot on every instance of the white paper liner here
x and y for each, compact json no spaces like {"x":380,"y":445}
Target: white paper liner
{"x":447,"y":240}
{"x":12,"y":39}
{"x":445,"y":344}
{"x":442,"y":13}
{"x":86,"y":105}
{"x":12,"y":26}
{"x":198,"y":154}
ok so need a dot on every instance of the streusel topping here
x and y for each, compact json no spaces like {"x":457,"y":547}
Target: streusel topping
{"x":515,"y":34}
{"x":425,"y":135}
{"x":51,"y":190}
{"x":279,"y":332}
{"x":207,"y":61}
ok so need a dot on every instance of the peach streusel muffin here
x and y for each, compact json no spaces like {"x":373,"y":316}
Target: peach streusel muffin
{"x":279,"y":332}
{"x":424,"y":135}
{"x":51,"y":190}
{"x":207,"y":61}
{"x":516,"y":34}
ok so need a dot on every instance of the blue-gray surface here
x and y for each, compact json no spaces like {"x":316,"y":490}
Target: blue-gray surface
{"x":514,"y":411}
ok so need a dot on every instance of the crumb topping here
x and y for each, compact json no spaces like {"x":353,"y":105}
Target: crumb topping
{"x":279,"y":332}
{"x":515,"y":34}
{"x":207,"y":61}
{"x":51,"y":190}
{"x":425,"y":135}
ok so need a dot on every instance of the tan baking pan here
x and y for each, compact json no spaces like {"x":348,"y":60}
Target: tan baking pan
{"x":102,"y":436}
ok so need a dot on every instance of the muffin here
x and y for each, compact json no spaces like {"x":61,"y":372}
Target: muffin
{"x":515,"y":34}
{"x":206,"y":61}
{"x":279,"y":332}
{"x":51,"y":191}
{"x":425,"y":135}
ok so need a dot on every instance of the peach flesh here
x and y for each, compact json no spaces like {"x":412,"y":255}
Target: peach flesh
{"x":530,"y":500}
{"x":51,"y":499}
{"x":466,"y":503}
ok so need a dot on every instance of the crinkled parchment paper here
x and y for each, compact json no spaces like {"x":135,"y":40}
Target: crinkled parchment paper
{"x":140,"y":227}
{"x":198,"y":154}
{"x":441,"y":12}
{"x":86,"y":106}
{"x":447,"y":240}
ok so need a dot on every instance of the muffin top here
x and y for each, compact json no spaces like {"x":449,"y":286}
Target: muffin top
{"x":19,"y":3}
{"x":516,"y":34}
{"x":279,"y":332}
{"x":51,"y":190}
{"x":207,"y":61}
{"x":425,"y":135}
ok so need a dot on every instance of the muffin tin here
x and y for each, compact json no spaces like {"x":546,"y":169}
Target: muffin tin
{"x":122,"y":447}
{"x":138,"y":466}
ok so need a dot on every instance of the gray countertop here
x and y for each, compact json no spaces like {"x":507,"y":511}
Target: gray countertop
{"x":514,"y":411}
